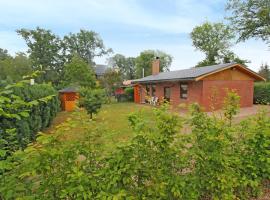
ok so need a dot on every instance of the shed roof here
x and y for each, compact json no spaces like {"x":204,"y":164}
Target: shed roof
{"x":68,"y":90}
{"x":190,"y":74}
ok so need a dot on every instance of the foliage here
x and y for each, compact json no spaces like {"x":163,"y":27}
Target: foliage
{"x":250,"y":18}
{"x":231,"y":105}
{"x":92,"y":100}
{"x":265,"y":71}
{"x":86,"y":44}
{"x":111,"y":81}
{"x":254,"y":153}
{"x":78,"y":73}
{"x":215,"y":177}
{"x":129,"y":91}
{"x":4,"y":54}
{"x":262,"y":93}
{"x":216,"y":160}
{"x":14,"y":68}
{"x":145,"y":59}
{"x":24,"y":110}
{"x":46,"y":52}
{"x":126,"y":66}
{"x":215,"y":40}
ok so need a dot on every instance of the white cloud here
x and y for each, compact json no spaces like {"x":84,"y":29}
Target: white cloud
{"x":255,"y":51}
{"x":127,"y":12}
{"x":64,"y":16}
{"x":12,"y":42}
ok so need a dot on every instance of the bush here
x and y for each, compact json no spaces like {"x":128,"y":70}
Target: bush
{"x":129,"y":91}
{"x":262,"y":93}
{"x":25,"y":111}
{"x":217,"y":160}
{"x":127,"y":96}
{"x":91,"y":100}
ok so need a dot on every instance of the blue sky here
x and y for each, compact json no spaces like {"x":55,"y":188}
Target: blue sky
{"x":126,"y":26}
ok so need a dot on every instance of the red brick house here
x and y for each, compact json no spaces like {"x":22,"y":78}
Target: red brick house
{"x":204,"y":85}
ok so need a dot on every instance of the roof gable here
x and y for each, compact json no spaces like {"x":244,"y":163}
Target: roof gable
{"x":243,"y":69}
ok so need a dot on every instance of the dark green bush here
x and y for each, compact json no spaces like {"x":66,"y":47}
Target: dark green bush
{"x":26,"y":109}
{"x":262,"y":93}
{"x":129,"y":92}
{"x":91,"y":100}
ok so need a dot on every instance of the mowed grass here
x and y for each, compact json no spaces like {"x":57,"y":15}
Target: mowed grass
{"x":108,"y":129}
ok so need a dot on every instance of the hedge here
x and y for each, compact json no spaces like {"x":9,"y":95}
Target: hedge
{"x":262,"y":93}
{"x":129,"y":91}
{"x":24,"y":111}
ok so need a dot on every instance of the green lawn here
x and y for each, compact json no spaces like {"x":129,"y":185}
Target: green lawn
{"x":109,"y":127}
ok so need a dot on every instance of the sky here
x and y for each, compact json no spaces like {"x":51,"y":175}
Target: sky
{"x":126,"y":26}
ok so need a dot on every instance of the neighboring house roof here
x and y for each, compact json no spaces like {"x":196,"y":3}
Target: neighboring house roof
{"x":100,"y":69}
{"x":193,"y":73}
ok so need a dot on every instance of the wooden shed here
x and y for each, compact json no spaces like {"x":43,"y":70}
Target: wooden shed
{"x":68,"y":97}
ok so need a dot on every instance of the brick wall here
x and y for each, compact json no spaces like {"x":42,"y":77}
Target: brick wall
{"x":215,"y":91}
{"x":194,"y":92}
{"x":208,"y":93}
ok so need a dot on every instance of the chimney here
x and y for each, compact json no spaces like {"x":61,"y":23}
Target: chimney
{"x":155,"y":66}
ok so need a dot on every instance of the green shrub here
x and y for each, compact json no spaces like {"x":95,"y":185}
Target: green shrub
{"x":129,"y":91}
{"x":91,"y":100}
{"x":216,"y":160}
{"x":25,"y":109}
{"x":262,"y":93}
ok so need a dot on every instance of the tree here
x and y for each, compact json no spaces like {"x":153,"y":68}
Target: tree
{"x":46,"y":52}
{"x":111,"y":81}
{"x":145,"y":59}
{"x":86,"y":44}
{"x":4,"y":54}
{"x":92,"y":100}
{"x":78,"y":73}
{"x":215,"y":40}
{"x":126,"y":66}
{"x":130,"y":68}
{"x":265,"y":71}
{"x":250,"y":18}
{"x":13,"y":69}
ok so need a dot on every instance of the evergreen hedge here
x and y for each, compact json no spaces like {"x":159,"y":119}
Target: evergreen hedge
{"x":24,"y":111}
{"x":262,"y":93}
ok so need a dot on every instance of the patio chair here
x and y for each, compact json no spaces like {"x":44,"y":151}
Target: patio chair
{"x":151,"y":101}
{"x":155,"y":101}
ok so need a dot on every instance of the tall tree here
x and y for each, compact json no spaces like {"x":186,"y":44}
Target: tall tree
{"x":78,"y":73}
{"x":265,"y":71}
{"x":111,"y":80}
{"x":145,"y":59}
{"x":4,"y":54}
{"x":130,"y":68}
{"x":126,"y":66}
{"x":215,"y":40}
{"x":86,"y":44}
{"x":46,"y":52}
{"x":13,"y":69}
{"x":250,"y":18}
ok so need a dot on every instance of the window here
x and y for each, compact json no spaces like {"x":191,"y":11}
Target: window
{"x":147,"y":90}
{"x":183,"y":90}
{"x":167,"y":93}
{"x":153,"y":90}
